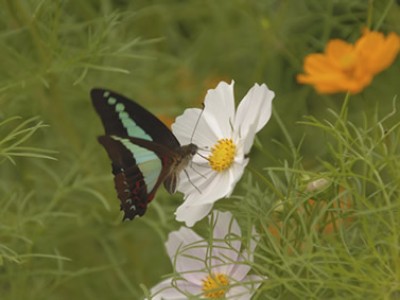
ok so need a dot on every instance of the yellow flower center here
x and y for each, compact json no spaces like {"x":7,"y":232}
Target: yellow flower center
{"x":222,"y":155}
{"x":215,"y":286}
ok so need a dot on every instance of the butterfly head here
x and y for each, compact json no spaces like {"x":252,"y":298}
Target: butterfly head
{"x":192,"y":149}
{"x":186,"y":153}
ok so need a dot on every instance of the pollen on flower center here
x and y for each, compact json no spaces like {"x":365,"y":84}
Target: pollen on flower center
{"x":222,"y":155}
{"x":215,"y":286}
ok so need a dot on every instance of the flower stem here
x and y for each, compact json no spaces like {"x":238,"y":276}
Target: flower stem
{"x":344,"y":109}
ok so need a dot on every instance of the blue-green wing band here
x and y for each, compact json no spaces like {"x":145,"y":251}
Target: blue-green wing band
{"x":147,"y":161}
{"x":137,"y":173}
{"x":125,"y":118}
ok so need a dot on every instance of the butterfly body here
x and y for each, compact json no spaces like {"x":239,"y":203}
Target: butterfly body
{"x":143,"y":151}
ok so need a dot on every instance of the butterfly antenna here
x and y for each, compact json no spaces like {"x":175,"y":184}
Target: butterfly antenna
{"x":197,"y":123}
{"x":191,"y":162}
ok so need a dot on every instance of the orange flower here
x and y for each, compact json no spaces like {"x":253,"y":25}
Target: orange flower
{"x":167,"y":120}
{"x":346,"y":67}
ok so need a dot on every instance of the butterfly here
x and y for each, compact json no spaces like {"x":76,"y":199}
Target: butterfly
{"x":144,"y":153}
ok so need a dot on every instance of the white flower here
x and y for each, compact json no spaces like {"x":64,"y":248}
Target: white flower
{"x":209,"y":271}
{"x":224,"y":137}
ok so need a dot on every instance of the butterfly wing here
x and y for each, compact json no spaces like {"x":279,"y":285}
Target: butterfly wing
{"x":138,"y":172}
{"x":140,"y":147}
{"x":123,"y":117}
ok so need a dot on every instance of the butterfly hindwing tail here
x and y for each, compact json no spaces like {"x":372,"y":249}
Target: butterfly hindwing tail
{"x":133,"y":198}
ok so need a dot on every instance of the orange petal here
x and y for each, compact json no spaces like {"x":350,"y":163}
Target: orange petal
{"x":341,"y":54}
{"x":317,"y":63}
{"x":378,"y":52}
{"x":348,"y":68}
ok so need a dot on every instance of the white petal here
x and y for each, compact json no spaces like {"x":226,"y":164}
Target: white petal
{"x":247,"y":256}
{"x":191,"y":127}
{"x":226,"y":242}
{"x":255,"y":237}
{"x":255,"y":107}
{"x":180,"y":238}
{"x":253,"y":113}
{"x":211,"y":189}
{"x":224,"y":225}
{"x":201,"y":184}
{"x":236,"y":172}
{"x":197,"y":205}
{"x":202,"y":191}
{"x":240,"y":270}
{"x":240,"y":154}
{"x":165,"y":290}
{"x":192,"y":214}
{"x":245,"y":289}
{"x":169,"y":289}
{"x":219,"y":108}
{"x":195,"y":178}
{"x":187,"y":251}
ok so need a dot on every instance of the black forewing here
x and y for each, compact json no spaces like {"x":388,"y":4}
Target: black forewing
{"x":144,"y":119}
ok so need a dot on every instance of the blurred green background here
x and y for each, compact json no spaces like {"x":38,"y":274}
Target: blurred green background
{"x":61,"y":235}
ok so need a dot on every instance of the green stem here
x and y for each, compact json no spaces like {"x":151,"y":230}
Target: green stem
{"x":341,"y":127}
{"x":285,"y":132}
{"x":344,"y":109}
{"x":266,"y":181}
